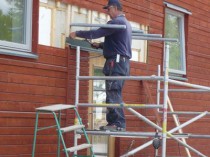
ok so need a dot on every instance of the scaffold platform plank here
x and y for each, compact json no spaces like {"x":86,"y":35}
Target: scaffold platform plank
{"x":129,"y":133}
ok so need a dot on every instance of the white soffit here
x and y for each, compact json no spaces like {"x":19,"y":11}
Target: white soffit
{"x":175,"y":7}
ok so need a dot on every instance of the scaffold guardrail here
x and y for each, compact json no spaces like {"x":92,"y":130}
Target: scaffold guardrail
{"x":165,"y":79}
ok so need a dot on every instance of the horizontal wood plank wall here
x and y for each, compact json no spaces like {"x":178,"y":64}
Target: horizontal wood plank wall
{"x":25,"y":85}
{"x":197,"y":70}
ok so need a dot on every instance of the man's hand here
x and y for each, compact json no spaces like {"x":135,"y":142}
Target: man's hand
{"x":95,"y":45}
{"x":72,"y":35}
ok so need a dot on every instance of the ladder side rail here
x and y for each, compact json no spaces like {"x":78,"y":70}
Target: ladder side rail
{"x":60,"y":136}
{"x":35,"y":133}
{"x":84,"y":131}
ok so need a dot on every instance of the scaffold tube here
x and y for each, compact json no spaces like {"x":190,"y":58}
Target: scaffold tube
{"x":187,"y":90}
{"x":185,"y":113}
{"x":165,"y":105}
{"x":147,"y":35}
{"x":99,"y":25}
{"x":188,"y":84}
{"x":129,"y":134}
{"x":158,"y":87}
{"x":176,"y":120}
{"x":169,"y":133}
{"x":77,"y":88}
{"x":120,"y":105}
{"x":151,"y":78}
{"x":154,"y":39}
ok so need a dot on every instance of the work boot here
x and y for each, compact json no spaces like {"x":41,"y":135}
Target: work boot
{"x":112,"y":128}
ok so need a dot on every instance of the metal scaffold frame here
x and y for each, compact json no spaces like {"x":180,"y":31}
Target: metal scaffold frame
{"x":166,"y":101}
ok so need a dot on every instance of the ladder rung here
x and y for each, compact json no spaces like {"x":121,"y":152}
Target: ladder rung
{"x":79,"y":147}
{"x":56,"y":107}
{"x":71,"y":128}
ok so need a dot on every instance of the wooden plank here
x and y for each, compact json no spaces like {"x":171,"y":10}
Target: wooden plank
{"x":26,"y":149}
{"x":51,"y":59}
{"x":31,"y":89}
{"x":11,"y":69}
{"x":27,"y":139}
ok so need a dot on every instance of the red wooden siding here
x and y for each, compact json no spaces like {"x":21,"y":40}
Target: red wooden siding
{"x":25,"y":85}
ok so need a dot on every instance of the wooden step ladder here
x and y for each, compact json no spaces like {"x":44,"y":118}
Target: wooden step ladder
{"x":56,"y":111}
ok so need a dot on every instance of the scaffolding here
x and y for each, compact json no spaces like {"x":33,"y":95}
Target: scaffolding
{"x":164,"y":135}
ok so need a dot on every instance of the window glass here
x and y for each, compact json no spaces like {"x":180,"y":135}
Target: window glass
{"x":52,"y":23}
{"x":79,"y":15}
{"x":45,"y":26}
{"x":60,"y":29}
{"x":139,"y":47}
{"x":99,"y":18}
{"x":12,"y":17}
{"x":99,"y":117}
{"x":174,"y":28}
{"x":15,"y":26}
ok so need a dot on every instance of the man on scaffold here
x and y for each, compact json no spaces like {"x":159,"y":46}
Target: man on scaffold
{"x":117,"y":52}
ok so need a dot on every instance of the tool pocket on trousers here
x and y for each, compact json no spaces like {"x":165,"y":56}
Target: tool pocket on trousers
{"x":108,"y":67}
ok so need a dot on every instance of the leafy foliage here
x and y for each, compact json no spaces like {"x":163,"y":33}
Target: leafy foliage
{"x":12,"y":24}
{"x":172,"y":31}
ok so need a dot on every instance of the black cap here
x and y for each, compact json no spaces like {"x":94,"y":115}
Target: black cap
{"x":113,"y":3}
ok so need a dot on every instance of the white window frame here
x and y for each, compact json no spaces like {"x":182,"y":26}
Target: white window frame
{"x":139,"y":47}
{"x":45,"y":31}
{"x":181,"y":18}
{"x":17,"y":49}
{"x":53,"y":36}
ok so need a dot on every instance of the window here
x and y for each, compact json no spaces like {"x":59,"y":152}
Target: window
{"x":174,"y":28}
{"x":45,"y":26}
{"x":139,"y":47}
{"x":99,"y":18}
{"x":16,"y":28}
{"x":79,"y":15}
{"x":99,"y":118}
{"x":52,"y":23}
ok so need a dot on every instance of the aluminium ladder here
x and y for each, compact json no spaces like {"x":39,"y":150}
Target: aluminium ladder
{"x":56,"y":111}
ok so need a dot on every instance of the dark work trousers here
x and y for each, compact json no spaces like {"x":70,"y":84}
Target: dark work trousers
{"x":115,"y":116}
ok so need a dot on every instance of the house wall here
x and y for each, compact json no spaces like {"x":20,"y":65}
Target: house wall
{"x":27,"y":83}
